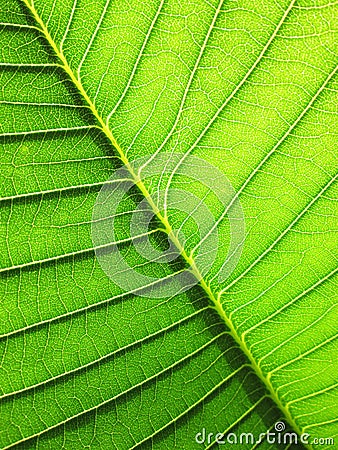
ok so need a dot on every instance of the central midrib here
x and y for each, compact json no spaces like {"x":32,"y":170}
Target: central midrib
{"x":213,"y":297}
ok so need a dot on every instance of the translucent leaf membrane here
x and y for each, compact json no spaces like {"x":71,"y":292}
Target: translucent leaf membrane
{"x":250,"y":88}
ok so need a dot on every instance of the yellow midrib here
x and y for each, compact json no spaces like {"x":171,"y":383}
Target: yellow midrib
{"x":214,"y":297}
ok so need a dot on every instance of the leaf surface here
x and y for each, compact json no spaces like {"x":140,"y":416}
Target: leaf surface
{"x":251,"y":89}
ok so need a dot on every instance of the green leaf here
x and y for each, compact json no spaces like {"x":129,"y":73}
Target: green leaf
{"x":202,"y":96}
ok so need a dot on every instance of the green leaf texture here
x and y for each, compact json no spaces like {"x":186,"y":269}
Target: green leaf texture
{"x":251,"y":88}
